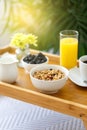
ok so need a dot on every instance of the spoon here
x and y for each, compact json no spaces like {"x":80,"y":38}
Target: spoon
{"x":85,"y":81}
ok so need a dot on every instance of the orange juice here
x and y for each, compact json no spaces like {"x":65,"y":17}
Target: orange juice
{"x":68,"y":52}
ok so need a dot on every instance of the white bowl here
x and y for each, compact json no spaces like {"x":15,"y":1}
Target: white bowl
{"x":51,"y":86}
{"x":28,"y":66}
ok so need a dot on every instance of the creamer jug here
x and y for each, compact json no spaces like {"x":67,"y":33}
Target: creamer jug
{"x":8,"y":69}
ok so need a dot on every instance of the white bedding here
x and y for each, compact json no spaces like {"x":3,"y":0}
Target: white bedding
{"x":17,"y":115}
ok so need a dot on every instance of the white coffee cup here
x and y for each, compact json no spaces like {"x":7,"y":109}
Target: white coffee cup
{"x":83,"y":67}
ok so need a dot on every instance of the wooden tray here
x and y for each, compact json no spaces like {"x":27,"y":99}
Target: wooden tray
{"x":71,"y":99}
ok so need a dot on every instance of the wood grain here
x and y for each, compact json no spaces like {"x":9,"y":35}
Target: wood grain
{"x":71,"y":99}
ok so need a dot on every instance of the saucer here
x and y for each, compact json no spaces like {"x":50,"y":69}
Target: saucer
{"x":75,"y":77}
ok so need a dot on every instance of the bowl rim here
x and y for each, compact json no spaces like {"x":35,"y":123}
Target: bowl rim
{"x":50,"y":65}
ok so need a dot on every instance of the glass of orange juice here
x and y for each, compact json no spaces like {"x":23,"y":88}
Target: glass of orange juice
{"x":68,"y":48}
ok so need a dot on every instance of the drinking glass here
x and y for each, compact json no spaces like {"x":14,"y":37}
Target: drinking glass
{"x":68,"y":48}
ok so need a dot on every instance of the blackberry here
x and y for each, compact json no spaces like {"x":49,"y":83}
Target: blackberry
{"x":35,"y":59}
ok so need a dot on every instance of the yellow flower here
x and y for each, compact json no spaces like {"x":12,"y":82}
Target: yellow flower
{"x":32,"y":39}
{"x":21,"y":40}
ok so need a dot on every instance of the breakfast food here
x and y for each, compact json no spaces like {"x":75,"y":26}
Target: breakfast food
{"x":49,"y":74}
{"x":35,"y":59}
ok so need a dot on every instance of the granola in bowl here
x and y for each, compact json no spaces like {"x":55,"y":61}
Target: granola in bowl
{"x":49,"y":78}
{"x":49,"y":74}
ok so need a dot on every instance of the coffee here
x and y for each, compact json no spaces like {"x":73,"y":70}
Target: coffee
{"x":85,"y":61}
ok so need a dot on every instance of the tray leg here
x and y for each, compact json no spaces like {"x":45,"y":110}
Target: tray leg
{"x":85,"y":124}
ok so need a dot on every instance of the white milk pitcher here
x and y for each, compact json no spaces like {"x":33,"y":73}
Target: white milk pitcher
{"x":8,"y":69}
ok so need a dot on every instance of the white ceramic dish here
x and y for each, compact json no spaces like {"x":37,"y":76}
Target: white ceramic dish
{"x":75,"y":77}
{"x":8,"y":68}
{"x":48,"y":86}
{"x":28,"y":66}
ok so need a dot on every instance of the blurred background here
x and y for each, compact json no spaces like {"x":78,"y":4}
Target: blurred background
{"x":44,"y":18}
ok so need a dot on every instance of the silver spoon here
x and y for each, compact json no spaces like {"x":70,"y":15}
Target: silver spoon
{"x":85,"y":81}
